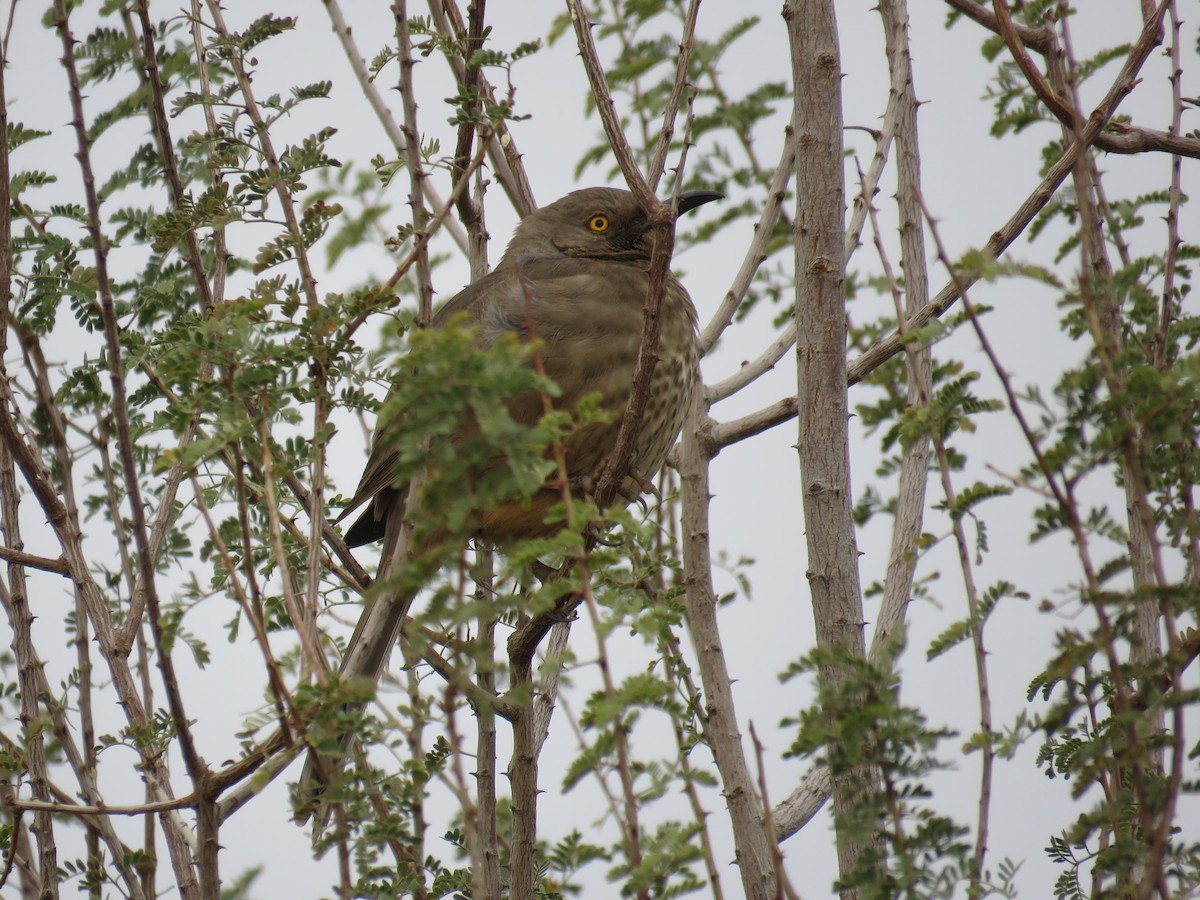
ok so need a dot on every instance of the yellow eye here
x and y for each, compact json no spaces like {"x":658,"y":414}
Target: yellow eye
{"x":598,"y":224}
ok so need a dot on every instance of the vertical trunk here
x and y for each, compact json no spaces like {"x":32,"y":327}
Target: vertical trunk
{"x":755,"y":855}
{"x":820,"y":318}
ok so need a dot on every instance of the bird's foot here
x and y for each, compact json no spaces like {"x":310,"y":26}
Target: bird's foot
{"x":594,"y":534}
{"x":647,"y":486}
{"x":564,"y":610}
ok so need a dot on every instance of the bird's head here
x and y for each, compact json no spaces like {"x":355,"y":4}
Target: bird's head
{"x":594,"y":223}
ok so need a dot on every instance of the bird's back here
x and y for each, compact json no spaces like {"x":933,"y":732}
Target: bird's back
{"x":587,"y":317}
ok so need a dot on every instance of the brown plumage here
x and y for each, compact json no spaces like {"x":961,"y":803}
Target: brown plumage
{"x":587,"y":290}
{"x":578,"y":271}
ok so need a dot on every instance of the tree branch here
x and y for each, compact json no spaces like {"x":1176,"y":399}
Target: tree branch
{"x":824,"y":443}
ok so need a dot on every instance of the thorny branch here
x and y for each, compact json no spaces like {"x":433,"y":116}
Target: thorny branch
{"x":257,"y":483}
{"x":783,"y":410}
{"x":614,"y":469}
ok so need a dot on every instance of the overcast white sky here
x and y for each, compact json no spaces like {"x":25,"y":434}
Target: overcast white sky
{"x":972,"y":182}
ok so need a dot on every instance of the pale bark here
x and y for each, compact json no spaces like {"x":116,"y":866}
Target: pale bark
{"x":752,"y":845}
{"x":823,"y":412}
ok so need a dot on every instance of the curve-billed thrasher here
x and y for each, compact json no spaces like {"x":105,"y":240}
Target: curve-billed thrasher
{"x":576,"y":271}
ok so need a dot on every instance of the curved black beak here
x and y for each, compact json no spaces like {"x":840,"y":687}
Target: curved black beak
{"x":689,"y":200}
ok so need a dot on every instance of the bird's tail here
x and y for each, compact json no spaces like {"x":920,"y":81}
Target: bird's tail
{"x":366,"y":657}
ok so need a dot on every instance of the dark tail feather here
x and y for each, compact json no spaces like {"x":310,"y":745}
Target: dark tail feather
{"x":367,"y":653}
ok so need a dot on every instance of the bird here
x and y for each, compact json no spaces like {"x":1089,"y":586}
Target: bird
{"x":575,"y":277}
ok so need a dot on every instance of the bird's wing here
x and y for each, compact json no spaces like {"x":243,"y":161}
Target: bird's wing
{"x":380,"y":471}
{"x":580,"y":312}
{"x":586,"y":316}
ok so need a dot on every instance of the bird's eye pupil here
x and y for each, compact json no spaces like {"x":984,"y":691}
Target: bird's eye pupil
{"x":598,"y":223}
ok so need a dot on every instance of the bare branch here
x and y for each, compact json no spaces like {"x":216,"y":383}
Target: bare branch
{"x":607,"y":109}
{"x":914,"y":466}
{"x":1040,"y":39}
{"x":382,"y":113}
{"x":786,"y":339}
{"x":506,"y":161}
{"x":1037,"y":81}
{"x":755,"y":254}
{"x":414,"y":164}
{"x":658,"y":161}
{"x":21,"y":558}
{"x":752,"y":847}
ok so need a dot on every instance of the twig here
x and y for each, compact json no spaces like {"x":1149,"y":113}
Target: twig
{"x":16,"y":602}
{"x":148,"y":73}
{"x":306,"y":617}
{"x":884,"y":349}
{"x":1056,"y":104}
{"x":658,"y":161}
{"x":21,"y":558}
{"x":506,"y":161}
{"x":421,"y":240}
{"x":976,"y":622}
{"x":413,"y":852}
{"x":471,"y":41}
{"x":756,"y":253}
{"x":785,"y":888}
{"x":181,"y":856}
{"x":607,"y":109}
{"x":1062,"y":494}
{"x":786,"y":339}
{"x":279,"y":689}
{"x":1170,"y":304}
{"x":380,"y":108}
{"x":270,"y":756}
{"x":312,"y":653}
{"x":107,"y":308}
{"x":610,"y":798}
{"x":673,"y":658}
{"x":914,"y":471}
{"x":473,"y":823}
{"x":629,"y":819}
{"x":96,"y":824}
{"x":615,"y":467}
{"x":1040,"y":39}
{"x":803,"y":803}
{"x":415,"y":164}
{"x":83,"y":764}
{"x":549,"y":679}
{"x":1137,"y":139}
{"x":287,"y":204}
{"x":1123,"y":136}
{"x":1103,"y":313}
{"x":103,"y":809}
{"x":487,"y":870}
